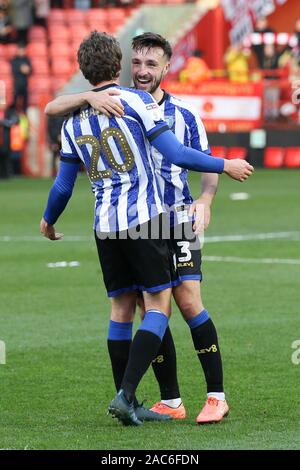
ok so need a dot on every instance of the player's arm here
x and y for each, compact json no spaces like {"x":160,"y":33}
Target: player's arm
{"x":169,"y":146}
{"x":62,"y":187}
{"x":103,"y":101}
{"x":59,"y":196}
{"x":201,"y":207}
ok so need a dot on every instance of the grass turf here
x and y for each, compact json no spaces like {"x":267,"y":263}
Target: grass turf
{"x":57,"y":383}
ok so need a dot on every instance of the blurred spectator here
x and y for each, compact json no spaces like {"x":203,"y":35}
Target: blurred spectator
{"x":236,"y":59}
{"x":21,"y":69}
{"x":5,"y":27}
{"x":82,"y":4}
{"x":7,"y":120}
{"x":18,"y":138}
{"x":54,"y":137}
{"x":271,"y":91}
{"x":296,"y":50}
{"x":4,"y":5}
{"x":57,"y":3}
{"x":21,"y":14}
{"x":270,"y":57}
{"x":261,"y":26}
{"x":195,"y":69}
{"x":41,"y":10}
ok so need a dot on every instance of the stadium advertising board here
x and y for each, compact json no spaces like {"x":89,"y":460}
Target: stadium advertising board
{"x":224,"y":106}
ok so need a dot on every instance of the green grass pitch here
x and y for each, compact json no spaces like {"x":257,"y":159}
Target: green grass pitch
{"x":57,"y":383}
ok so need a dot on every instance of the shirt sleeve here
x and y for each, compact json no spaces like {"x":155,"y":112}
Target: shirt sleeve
{"x":68,"y":151}
{"x":150,"y":114}
{"x":186,"y":157}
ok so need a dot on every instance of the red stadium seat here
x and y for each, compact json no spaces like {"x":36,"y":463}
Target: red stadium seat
{"x":39,"y":84}
{"x":237,"y":152}
{"x":57,"y":15}
{"x":59,"y":33}
{"x":62,"y":67}
{"x":74,"y":15}
{"x":60,"y":49}
{"x":96,"y":14}
{"x":273,"y":157}
{"x":10,"y":51}
{"x":5,"y":68}
{"x":79,"y":34}
{"x":37,"y":33}
{"x":97,"y":25}
{"x":154,"y":1}
{"x":292,"y":157}
{"x":2,"y":51}
{"x":118,"y":14}
{"x":40,"y":66}
{"x":37,"y":49}
{"x":218,"y":151}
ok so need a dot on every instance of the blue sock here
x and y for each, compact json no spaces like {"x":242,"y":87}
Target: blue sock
{"x":206,"y":344}
{"x":143,"y":350}
{"x":201,"y":318}
{"x":155,"y":322}
{"x":118,"y":344}
{"x":118,"y":331}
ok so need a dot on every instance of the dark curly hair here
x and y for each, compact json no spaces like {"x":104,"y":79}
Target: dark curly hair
{"x":99,"y":57}
{"x":150,"y":40}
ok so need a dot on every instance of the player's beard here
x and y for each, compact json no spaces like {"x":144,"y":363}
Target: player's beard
{"x":153,"y":85}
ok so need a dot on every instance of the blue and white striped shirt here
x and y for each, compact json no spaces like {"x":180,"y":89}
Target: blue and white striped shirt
{"x":184,"y":120}
{"x":117,"y":156}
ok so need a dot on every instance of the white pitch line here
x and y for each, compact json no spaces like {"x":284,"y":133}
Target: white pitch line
{"x":292,"y":236}
{"x":37,"y":238}
{"x":236,"y":259}
{"x":254,"y":236}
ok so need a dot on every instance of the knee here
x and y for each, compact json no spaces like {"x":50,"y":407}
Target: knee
{"x":189,"y":302}
{"x":123,"y":308}
{"x":121,"y":316}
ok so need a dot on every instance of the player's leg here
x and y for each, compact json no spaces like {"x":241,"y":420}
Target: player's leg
{"x":119,"y":343}
{"x":147,"y":339}
{"x":120,"y":333}
{"x":188,"y":298}
{"x":165,"y":370}
{"x":205,"y":339}
{"x":151,"y":264}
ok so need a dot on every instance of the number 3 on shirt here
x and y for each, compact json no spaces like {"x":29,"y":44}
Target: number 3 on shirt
{"x":128,"y":164}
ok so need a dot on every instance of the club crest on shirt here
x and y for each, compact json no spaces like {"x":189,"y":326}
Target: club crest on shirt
{"x":170,"y":120}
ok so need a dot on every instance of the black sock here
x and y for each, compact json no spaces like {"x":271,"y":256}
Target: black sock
{"x":165,"y":369}
{"x":207,"y":347}
{"x":119,"y":354}
{"x":143,"y":350}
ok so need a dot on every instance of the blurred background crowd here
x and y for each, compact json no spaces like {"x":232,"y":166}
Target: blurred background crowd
{"x":39,"y":40}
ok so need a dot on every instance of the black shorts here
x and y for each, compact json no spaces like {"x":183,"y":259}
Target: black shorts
{"x":186,"y":246}
{"x":143,"y":264}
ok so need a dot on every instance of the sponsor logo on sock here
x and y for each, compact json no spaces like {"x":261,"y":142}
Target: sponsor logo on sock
{"x":212,"y":348}
{"x":159,"y":359}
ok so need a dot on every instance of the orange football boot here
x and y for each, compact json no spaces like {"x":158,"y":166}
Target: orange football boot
{"x":176,"y":413}
{"x":213,"y":411}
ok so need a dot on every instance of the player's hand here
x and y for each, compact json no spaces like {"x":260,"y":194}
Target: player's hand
{"x":238,"y":169}
{"x":104,"y":102}
{"x":48,"y":231}
{"x":202,"y":210}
